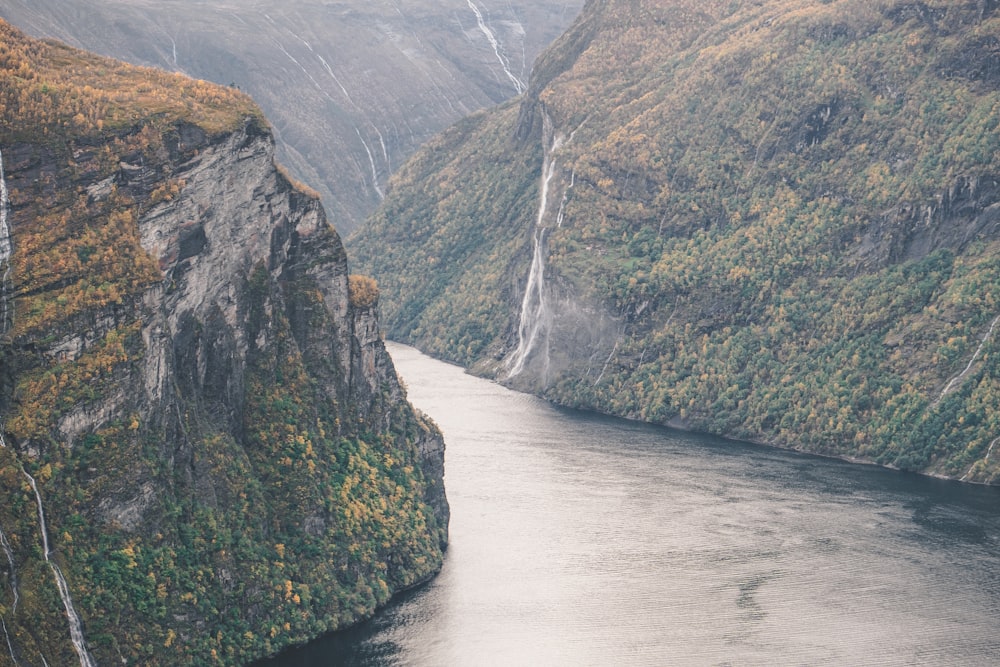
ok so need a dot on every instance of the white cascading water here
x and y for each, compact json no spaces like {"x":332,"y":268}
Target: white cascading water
{"x":6,"y":318}
{"x":173,"y":48}
{"x":9,"y":552}
{"x":368,"y":151}
{"x":565,"y":198}
{"x":6,"y":249}
{"x":10,"y":647}
{"x":986,"y":460}
{"x":371,"y":161}
{"x":953,"y":382}
{"x":534,"y":310}
{"x":535,"y":318}
{"x":75,"y":626}
{"x":491,"y":38}
{"x":13,"y":570}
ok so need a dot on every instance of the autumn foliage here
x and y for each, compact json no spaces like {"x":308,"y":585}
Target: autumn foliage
{"x":50,"y":90}
{"x":363,"y":291}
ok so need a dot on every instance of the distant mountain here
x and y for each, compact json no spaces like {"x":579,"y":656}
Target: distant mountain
{"x":776,"y":220}
{"x":351,"y":87}
{"x":205,"y":452}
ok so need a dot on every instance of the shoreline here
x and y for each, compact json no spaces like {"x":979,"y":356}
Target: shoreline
{"x":676,"y":424}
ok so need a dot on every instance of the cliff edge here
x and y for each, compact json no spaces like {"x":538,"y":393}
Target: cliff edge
{"x":207,"y":455}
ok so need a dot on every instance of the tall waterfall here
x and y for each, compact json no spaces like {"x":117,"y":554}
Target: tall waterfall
{"x":75,"y":626}
{"x":13,"y":569}
{"x":497,"y":49}
{"x":6,"y":249}
{"x":536,"y":317}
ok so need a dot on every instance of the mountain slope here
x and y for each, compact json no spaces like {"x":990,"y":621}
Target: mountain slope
{"x":352,"y":88}
{"x":775,"y":220}
{"x":206,"y":454}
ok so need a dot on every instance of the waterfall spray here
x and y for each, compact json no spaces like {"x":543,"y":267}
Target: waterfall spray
{"x":534,"y":310}
{"x":536,"y":317}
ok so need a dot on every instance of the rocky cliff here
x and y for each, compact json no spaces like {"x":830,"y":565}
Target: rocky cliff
{"x":775,"y":220}
{"x":206,"y":454}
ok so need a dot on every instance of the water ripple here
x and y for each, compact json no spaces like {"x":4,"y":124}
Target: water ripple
{"x":582,"y":540}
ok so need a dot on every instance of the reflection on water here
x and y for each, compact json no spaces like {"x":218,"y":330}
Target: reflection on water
{"x":583,"y":540}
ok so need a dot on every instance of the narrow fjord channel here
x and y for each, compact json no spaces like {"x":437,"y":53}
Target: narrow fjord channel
{"x":583,"y":540}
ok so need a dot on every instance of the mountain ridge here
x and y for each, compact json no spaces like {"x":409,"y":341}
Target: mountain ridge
{"x":350,"y":88}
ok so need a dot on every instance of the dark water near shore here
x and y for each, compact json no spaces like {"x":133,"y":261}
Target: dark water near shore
{"x":584,"y":540}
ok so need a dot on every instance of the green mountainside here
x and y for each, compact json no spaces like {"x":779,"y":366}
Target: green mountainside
{"x":776,"y":220}
{"x":205,"y":452}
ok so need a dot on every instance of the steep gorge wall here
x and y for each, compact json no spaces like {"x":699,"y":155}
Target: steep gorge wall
{"x":226,"y":459}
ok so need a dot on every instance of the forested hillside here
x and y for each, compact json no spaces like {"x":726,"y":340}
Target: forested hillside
{"x":771,"y":219}
{"x":205,"y":453}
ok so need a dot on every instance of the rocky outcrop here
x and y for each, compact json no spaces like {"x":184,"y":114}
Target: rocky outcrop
{"x":225,"y":455}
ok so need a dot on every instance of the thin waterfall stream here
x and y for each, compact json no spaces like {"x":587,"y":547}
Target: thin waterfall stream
{"x":6,"y":320}
{"x":10,"y":647}
{"x":75,"y":626}
{"x":497,"y":48}
{"x":9,"y":552}
{"x":533,"y":307}
{"x":958,"y":378}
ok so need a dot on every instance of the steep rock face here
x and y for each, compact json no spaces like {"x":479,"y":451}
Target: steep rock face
{"x":771,"y":220}
{"x":370,"y":81}
{"x":224,"y":454}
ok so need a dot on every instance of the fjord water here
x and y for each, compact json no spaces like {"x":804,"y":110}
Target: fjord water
{"x":583,"y":540}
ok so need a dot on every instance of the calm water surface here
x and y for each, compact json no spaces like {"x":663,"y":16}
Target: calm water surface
{"x":583,"y":540}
